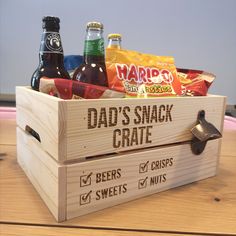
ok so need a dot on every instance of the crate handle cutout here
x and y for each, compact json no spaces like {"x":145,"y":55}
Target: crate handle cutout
{"x":32,"y":132}
{"x":203,"y":132}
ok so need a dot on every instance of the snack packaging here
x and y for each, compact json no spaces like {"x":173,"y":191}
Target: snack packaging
{"x":195,"y":82}
{"x":141,"y":75}
{"x":70,"y":89}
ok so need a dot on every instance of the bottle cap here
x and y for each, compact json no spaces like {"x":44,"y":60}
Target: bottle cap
{"x":51,"y":22}
{"x":94,"y":25}
{"x":112,"y":36}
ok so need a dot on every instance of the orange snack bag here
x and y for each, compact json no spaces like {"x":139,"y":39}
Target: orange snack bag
{"x":141,"y":75}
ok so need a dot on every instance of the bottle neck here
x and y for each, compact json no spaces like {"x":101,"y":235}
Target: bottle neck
{"x":94,"y":46}
{"x":51,"y":51}
{"x":48,"y":59}
{"x":114,"y":43}
{"x":51,"y":42}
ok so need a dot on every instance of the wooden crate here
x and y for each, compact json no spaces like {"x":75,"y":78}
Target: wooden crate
{"x":95,"y":154}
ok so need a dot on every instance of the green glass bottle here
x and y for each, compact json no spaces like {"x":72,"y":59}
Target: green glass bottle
{"x":93,"y":68}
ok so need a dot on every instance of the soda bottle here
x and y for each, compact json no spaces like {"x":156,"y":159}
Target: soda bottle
{"x":93,"y":68}
{"x":114,"y":41}
{"x":51,"y":56}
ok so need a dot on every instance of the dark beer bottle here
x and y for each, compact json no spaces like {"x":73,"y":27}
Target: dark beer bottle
{"x":51,"y":58}
{"x":93,"y":68}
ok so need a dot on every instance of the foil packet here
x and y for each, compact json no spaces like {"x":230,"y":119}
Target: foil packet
{"x":195,"y":82}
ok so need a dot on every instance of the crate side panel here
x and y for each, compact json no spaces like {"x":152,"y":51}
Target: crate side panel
{"x":39,"y":112}
{"x":62,"y":193}
{"x":43,"y":172}
{"x":106,"y":126}
{"x":62,"y":134}
{"x":99,"y":184}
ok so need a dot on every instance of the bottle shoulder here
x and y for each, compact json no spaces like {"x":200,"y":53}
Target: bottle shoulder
{"x":51,"y":72}
{"x":89,"y":67}
{"x":91,"y":73}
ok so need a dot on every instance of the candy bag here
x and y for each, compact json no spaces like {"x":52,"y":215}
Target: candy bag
{"x":141,"y":75}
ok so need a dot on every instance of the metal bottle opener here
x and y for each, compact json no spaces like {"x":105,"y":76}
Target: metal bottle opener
{"x":203,"y":132}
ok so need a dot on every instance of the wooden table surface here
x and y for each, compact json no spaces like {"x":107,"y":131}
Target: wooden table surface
{"x":202,"y":208}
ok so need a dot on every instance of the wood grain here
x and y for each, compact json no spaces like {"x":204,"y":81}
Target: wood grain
{"x":35,"y":110}
{"x":96,"y":141}
{"x":19,"y":230}
{"x":97,"y":184}
{"x":47,"y":176}
{"x":207,"y":206}
{"x":73,"y":129}
{"x":129,"y":176}
{"x":7,"y":132}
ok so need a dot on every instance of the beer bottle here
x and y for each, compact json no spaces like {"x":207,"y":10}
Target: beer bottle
{"x":114,"y":41}
{"x":51,"y":58}
{"x":93,"y":68}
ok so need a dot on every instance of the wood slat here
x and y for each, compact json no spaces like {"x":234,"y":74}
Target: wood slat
{"x":47,"y":176}
{"x":37,"y":111}
{"x":111,"y":181}
{"x":76,"y":129}
{"x":206,"y":206}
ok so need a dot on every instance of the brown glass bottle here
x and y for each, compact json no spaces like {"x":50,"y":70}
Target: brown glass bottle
{"x":51,"y":58}
{"x":93,"y":68}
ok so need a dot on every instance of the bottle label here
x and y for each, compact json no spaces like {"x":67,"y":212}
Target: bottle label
{"x":94,"y":47}
{"x":51,"y":43}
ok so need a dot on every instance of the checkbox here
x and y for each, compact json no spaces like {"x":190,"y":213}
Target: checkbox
{"x":143,"y":167}
{"x":85,"y":198}
{"x":142,"y":183}
{"x":85,"y":180}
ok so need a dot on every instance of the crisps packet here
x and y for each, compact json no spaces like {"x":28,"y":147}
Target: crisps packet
{"x":70,"y":89}
{"x":141,"y":75}
{"x":195,"y":82}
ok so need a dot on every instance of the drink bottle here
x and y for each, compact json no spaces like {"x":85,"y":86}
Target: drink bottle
{"x":114,"y":41}
{"x":51,"y":58}
{"x":93,"y":68}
